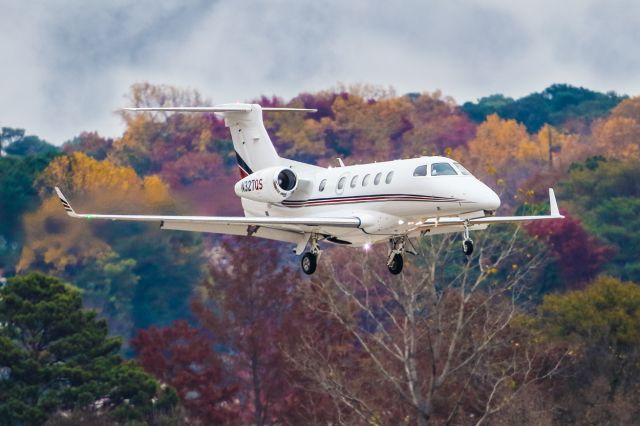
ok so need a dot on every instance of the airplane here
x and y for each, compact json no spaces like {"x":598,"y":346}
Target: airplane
{"x":356,"y":205}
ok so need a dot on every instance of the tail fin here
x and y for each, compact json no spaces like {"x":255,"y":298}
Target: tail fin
{"x":252,"y":144}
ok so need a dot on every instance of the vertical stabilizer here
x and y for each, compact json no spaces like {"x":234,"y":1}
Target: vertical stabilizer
{"x":253,"y":146}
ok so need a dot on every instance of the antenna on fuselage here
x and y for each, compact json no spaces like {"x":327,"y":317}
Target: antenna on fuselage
{"x":340,"y":161}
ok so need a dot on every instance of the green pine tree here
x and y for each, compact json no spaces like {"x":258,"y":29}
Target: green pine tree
{"x":56,"y":356}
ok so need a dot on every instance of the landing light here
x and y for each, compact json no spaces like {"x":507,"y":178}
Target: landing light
{"x":366,"y":246}
{"x":401,"y":222}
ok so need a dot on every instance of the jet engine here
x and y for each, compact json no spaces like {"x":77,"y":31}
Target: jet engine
{"x":270,"y":185}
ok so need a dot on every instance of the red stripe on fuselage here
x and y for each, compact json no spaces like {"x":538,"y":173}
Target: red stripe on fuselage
{"x":368,"y":199}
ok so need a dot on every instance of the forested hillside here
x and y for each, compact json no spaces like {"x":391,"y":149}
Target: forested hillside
{"x":540,"y":326}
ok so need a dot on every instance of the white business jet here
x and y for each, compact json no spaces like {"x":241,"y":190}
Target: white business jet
{"x":359,"y":205}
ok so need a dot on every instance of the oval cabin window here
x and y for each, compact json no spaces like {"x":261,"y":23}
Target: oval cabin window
{"x":376,"y":180}
{"x":389,"y":177}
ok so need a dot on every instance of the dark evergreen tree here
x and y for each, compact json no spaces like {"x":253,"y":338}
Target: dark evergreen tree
{"x":557,"y":105}
{"x":56,"y":356}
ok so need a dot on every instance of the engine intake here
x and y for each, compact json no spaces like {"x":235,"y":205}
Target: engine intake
{"x":270,"y":185}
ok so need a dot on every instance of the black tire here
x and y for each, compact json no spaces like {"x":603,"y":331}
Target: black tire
{"x":467,"y":247}
{"x":395,"y":267}
{"x":308,"y":263}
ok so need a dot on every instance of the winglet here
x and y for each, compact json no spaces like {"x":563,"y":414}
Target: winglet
{"x":65,"y":203}
{"x":554,"y":204}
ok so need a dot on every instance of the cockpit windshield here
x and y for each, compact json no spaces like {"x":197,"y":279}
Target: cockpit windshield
{"x":442,"y":169}
{"x":462,"y":169}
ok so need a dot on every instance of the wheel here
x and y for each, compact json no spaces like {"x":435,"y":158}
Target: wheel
{"x":395,"y":267}
{"x":467,"y":247}
{"x":309,"y":262}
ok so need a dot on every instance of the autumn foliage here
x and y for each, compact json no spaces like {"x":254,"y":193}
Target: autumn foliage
{"x":183,"y":357}
{"x":579,"y":254}
{"x":243,"y":338}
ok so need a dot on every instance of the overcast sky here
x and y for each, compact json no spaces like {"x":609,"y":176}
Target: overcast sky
{"x":65,"y":66}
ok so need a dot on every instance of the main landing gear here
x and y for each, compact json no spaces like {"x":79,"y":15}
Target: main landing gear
{"x":467,"y":242}
{"x":395,"y":262}
{"x":309,"y":260}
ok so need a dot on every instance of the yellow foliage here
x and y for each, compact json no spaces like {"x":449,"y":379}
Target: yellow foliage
{"x":618,"y":137}
{"x":629,"y":108}
{"x":497,"y":144}
{"x":57,"y":241}
{"x":155,"y":191}
{"x":80,"y":173}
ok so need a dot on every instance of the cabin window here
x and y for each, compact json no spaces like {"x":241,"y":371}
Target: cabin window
{"x":389,"y":177}
{"x":442,"y":169}
{"x":376,"y":180}
{"x":365,"y":180}
{"x":323,"y":183}
{"x":420,"y":170}
{"x":341,"y":182}
{"x":354,"y":181}
{"x":461,"y":168}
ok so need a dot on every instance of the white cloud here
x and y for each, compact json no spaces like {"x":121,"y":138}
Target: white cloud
{"x":68,"y":64}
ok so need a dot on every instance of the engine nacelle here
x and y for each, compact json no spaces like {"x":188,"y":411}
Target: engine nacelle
{"x":270,"y":185}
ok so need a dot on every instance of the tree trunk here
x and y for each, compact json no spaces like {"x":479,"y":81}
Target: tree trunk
{"x":257,"y":401}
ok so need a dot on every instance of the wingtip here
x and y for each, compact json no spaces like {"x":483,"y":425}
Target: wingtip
{"x":553,"y":204}
{"x":64,"y":202}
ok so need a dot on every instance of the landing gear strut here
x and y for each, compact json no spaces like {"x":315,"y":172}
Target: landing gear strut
{"x":467,"y":242}
{"x":395,"y":261}
{"x":309,"y":260}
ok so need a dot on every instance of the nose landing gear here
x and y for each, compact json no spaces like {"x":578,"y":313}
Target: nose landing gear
{"x":309,"y":262}
{"x":467,"y":242}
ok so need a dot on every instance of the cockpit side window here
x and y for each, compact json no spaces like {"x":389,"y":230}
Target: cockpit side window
{"x":461,"y":168}
{"x":420,"y":170}
{"x":442,"y":169}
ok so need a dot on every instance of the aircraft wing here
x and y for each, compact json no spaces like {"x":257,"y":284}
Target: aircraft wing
{"x":276,"y":228}
{"x":488,"y":220}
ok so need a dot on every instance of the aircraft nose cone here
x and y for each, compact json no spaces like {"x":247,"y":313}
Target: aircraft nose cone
{"x":493,"y":201}
{"x":486,"y":198}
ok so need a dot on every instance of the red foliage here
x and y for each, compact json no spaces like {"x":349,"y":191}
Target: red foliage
{"x":253,"y":299}
{"x":322,"y":102}
{"x":213,"y":197}
{"x":91,"y":144}
{"x":182,"y":356}
{"x":191,"y":167}
{"x":579,"y":254}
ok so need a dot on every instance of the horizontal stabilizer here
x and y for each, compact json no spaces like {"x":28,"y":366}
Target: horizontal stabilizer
{"x":222,"y":108}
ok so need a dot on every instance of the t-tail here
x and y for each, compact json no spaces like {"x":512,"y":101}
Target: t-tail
{"x":251,"y":142}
